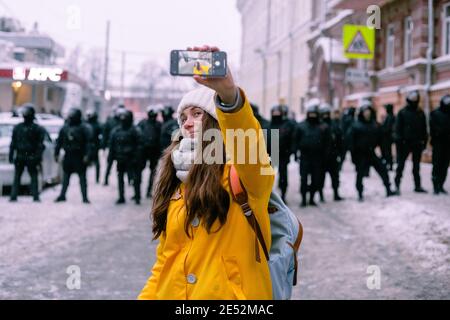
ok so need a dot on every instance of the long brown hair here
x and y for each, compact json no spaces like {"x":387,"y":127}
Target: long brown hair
{"x":205,"y":196}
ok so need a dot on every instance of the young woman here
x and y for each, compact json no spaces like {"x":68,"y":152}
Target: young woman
{"x":207,"y":248}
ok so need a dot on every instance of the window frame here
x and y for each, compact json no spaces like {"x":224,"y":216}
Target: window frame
{"x":445,"y":30}
{"x":388,"y":42}
{"x":408,"y":39}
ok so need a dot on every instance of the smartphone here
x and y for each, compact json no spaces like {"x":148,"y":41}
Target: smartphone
{"x":204,"y":63}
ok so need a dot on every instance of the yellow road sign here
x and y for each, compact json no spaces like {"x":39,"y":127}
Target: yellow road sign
{"x":359,"y":42}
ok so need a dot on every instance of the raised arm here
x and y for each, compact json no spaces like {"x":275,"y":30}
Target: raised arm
{"x":242,"y":133}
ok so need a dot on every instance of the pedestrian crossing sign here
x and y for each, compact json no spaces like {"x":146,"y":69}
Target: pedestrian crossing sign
{"x":359,"y":42}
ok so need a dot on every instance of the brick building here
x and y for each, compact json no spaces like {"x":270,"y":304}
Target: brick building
{"x":401,"y":60}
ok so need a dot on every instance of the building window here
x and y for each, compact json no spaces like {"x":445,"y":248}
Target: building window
{"x":50,"y":94}
{"x":390,"y":43}
{"x":446,"y":27}
{"x":408,"y":38}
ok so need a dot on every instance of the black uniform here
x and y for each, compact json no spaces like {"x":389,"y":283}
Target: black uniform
{"x":111,"y":123}
{"x":97,"y":137}
{"x":364,"y":137}
{"x":168,"y":128}
{"x":411,"y":137}
{"x":333,"y":153}
{"x":124,"y":147}
{"x":75,"y":138}
{"x":440,"y":140}
{"x":311,"y":139}
{"x":347,"y":120}
{"x":27,"y":146}
{"x":387,"y":129}
{"x":265,"y":125}
{"x":151,"y":149}
{"x":286,"y":129}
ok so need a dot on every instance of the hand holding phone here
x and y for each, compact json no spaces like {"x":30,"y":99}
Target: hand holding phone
{"x":197,"y":62}
{"x":225,"y":87}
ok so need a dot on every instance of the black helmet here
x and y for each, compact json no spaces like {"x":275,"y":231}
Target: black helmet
{"x":167,"y":113}
{"x":413,"y":98}
{"x":126,"y":118}
{"x":445,"y":103}
{"x":389,"y":108}
{"x":118,"y":110}
{"x":28,"y":112}
{"x":325,"y":108}
{"x":276,"y":113}
{"x":91,"y":116}
{"x":325,"y":112}
{"x":312,"y":106}
{"x":366,"y":105}
{"x":312,"y":111}
{"x":284,"y":111}
{"x":74,"y":116}
{"x":152,"y":113}
{"x":351,"y":111}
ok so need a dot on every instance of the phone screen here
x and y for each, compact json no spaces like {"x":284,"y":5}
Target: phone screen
{"x":195,"y":63}
{"x":189,"y":63}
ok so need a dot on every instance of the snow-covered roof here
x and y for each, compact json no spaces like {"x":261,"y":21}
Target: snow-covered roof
{"x":333,"y":46}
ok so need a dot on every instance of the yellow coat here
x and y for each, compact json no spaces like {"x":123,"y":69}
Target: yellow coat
{"x":222,"y":265}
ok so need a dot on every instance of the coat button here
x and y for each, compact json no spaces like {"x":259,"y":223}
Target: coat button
{"x":191,"y":278}
{"x":196,"y":222}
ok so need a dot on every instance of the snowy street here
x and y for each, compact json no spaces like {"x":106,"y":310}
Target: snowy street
{"x":405,"y":238}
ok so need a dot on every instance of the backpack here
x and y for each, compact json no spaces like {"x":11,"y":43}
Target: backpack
{"x":286,"y":232}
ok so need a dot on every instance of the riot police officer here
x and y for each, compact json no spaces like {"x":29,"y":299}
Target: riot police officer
{"x":75,"y":139}
{"x":311,"y":139}
{"x":96,"y":130}
{"x":347,"y":120}
{"x":124,"y":147}
{"x":26,"y":148}
{"x":365,"y":136}
{"x":387,"y":129}
{"x":411,"y":137}
{"x":169,"y":127}
{"x":281,"y":122}
{"x":440,"y":140}
{"x":151,"y":135}
{"x":265,"y":125}
{"x":111,"y":123}
{"x":333,"y":152}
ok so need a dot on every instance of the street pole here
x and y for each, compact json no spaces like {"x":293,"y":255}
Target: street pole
{"x":106,"y":64}
{"x":122,"y":77}
{"x":330,"y":73}
{"x":330,"y":63}
{"x":265,"y":52}
{"x":430,"y":51}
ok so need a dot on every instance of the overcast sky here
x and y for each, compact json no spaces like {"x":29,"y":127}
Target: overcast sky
{"x":153,"y":27}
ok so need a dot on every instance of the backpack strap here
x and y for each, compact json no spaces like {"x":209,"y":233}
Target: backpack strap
{"x":295,"y":246}
{"x":241,"y":197}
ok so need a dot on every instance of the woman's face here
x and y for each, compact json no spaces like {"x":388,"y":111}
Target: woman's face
{"x":191,"y":121}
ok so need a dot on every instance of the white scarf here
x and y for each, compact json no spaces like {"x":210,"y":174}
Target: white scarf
{"x":183,"y":157}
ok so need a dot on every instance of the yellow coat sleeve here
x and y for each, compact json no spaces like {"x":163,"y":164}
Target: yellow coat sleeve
{"x":149,"y":291}
{"x":255,"y":171}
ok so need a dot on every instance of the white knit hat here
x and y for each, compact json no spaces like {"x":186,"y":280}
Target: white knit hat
{"x":202,"y":98}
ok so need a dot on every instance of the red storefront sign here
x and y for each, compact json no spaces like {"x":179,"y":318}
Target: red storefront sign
{"x":35,"y":74}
